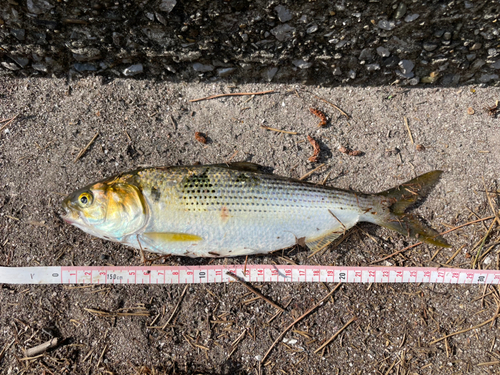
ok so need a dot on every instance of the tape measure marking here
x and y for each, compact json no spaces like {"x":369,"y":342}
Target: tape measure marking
{"x":254,"y":273}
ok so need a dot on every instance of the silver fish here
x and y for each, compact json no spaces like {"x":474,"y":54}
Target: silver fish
{"x":234,"y":209}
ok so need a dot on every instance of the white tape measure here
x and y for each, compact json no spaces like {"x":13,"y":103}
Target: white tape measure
{"x":252,"y":273}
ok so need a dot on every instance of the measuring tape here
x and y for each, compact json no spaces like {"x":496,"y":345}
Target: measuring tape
{"x":252,"y":273}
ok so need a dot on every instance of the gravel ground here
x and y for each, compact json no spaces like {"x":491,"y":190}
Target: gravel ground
{"x":315,"y":42}
{"x":143,"y":122}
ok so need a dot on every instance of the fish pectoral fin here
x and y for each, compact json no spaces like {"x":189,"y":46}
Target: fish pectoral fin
{"x":317,"y":244}
{"x":168,"y":237}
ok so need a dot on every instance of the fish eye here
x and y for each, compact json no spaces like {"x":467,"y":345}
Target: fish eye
{"x":85,"y":199}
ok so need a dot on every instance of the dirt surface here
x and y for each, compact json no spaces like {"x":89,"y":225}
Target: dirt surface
{"x":150,"y":123}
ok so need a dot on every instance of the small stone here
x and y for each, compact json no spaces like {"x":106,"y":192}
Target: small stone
{"x":38,"y":6}
{"x":40,"y":67}
{"x":19,"y":34}
{"x":270,"y":73}
{"x":283,"y":32}
{"x":284,"y":14}
{"x":10,"y":66}
{"x":386,"y":25}
{"x":223,"y":72}
{"x":337,"y":71}
{"x":84,"y":67}
{"x":312,"y":29}
{"x":244,"y":37}
{"x":414,"y":81}
{"x":406,"y":66}
{"x":411,"y":17}
{"x":383,"y":52}
{"x":450,"y":79}
{"x":302,"y":64}
{"x":341,"y":44}
{"x":471,"y":56}
{"x":485,"y":78}
{"x":372,"y":67}
{"x":366,"y":54}
{"x":428,"y":46}
{"x":401,"y":11}
{"x":447,"y":35}
{"x":133,"y":70}
{"x":21,"y":61}
{"x":492,"y":52}
{"x":478,"y":64}
{"x":167,"y":5}
{"x":496,"y":65}
{"x":420,"y":147}
{"x":303,"y":19}
{"x":470,"y":111}
{"x":351,"y":74}
{"x":198,"y":67}
{"x":468,"y":4}
{"x":438,"y":33}
{"x":475,"y":46}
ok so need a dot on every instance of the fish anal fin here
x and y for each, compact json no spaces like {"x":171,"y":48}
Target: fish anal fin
{"x":317,"y":244}
{"x":169,"y":237}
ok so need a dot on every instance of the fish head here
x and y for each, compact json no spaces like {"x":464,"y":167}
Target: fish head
{"x":108,"y":209}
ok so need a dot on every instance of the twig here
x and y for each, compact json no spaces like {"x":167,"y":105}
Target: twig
{"x":102,"y":355}
{"x":420,"y":243}
{"x":311,"y":172}
{"x":409,"y":131}
{"x":278,"y":130}
{"x":334,"y":106}
{"x":336,"y":334}
{"x":233,"y":94}
{"x":280,"y":337}
{"x":84,"y":150}
{"x":176,"y":307}
{"x":39,"y":349}
{"x":9,"y":121}
{"x":255,"y":291}
{"x":5,"y":348}
{"x":466,"y":329}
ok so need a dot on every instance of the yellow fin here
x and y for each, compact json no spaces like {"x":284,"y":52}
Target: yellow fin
{"x":163,"y":237}
{"x":322,"y":242}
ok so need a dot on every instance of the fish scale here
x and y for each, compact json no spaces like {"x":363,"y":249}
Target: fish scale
{"x":235,"y":209}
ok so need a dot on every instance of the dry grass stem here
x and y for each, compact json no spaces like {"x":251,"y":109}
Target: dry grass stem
{"x":278,"y":130}
{"x":9,"y":121}
{"x":255,"y":291}
{"x":233,"y":94}
{"x":311,"y":172}
{"x":280,"y":337}
{"x":334,"y":106}
{"x":84,"y":150}
{"x":409,"y":131}
{"x":176,"y":307}
{"x":335,"y":334}
{"x":466,"y":329}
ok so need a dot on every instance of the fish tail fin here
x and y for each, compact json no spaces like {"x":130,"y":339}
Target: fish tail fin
{"x":397,"y":200}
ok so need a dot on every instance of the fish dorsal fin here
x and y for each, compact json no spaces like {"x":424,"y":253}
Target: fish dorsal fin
{"x":318,"y":244}
{"x":243,"y":166}
{"x":168,"y":237}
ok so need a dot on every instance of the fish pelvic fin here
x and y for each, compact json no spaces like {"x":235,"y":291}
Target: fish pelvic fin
{"x":397,"y":200}
{"x":317,"y":244}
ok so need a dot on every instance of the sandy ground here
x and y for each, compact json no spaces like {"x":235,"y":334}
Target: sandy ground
{"x":149,"y":123}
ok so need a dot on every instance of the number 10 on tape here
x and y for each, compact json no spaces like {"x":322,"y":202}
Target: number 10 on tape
{"x":253,"y":273}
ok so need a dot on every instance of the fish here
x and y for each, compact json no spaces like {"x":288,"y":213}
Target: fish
{"x":234,"y":209}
